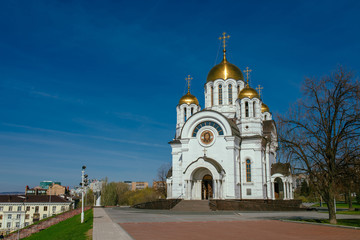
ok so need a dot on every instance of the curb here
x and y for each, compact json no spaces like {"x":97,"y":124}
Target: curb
{"x":321,"y":224}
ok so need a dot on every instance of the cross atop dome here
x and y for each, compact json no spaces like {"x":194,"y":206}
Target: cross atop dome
{"x":247,"y":71}
{"x":188,"y":80}
{"x":223,"y":38}
{"x":259,"y":88}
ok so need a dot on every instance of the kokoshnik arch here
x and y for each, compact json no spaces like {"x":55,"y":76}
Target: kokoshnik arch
{"x":228,"y":149}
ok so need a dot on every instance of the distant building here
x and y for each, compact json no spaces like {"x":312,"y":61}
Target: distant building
{"x":46,"y":184}
{"x":54,"y":189}
{"x":129,"y":183}
{"x":18,"y":211}
{"x":35,"y":191}
{"x":57,"y":190}
{"x":139,"y":185}
{"x":159,"y":185}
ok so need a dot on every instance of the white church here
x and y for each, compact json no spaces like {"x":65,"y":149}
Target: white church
{"x":228,"y":149}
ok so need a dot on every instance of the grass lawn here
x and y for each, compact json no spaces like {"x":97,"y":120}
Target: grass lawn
{"x":339,"y":205}
{"x":349,"y":212}
{"x":68,"y":229}
{"x":344,"y":222}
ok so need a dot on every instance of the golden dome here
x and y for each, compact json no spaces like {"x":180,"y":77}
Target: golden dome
{"x":264,"y":108}
{"x":224,"y":70}
{"x":188,"y":99}
{"x":248,"y":92}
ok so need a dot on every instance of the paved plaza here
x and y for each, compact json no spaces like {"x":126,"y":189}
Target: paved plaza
{"x":128,"y":223}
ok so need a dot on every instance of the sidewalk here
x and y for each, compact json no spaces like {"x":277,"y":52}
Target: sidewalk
{"x":105,"y":229}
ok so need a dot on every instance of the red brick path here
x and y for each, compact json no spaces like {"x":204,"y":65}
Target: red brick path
{"x":229,"y":230}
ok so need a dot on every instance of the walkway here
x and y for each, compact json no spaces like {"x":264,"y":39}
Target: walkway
{"x":104,"y":228}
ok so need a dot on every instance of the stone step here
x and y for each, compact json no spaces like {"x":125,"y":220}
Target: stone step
{"x":192,"y":206}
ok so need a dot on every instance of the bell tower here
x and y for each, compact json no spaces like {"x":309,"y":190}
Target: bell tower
{"x":188,"y":105}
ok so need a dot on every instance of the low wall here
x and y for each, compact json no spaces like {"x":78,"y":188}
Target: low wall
{"x":158,"y":204}
{"x":256,"y":205}
{"x":34,"y":228}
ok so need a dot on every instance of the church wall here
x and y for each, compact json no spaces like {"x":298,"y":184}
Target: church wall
{"x":251,"y":149}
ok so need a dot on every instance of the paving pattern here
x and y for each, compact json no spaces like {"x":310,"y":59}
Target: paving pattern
{"x":231,"y":230}
{"x":228,"y":225}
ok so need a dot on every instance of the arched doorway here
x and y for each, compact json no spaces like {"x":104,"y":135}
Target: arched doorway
{"x":279,"y":188}
{"x":207,"y":187}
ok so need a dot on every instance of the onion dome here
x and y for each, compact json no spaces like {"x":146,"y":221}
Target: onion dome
{"x":224,"y":70}
{"x":248,"y":92}
{"x":264,"y":108}
{"x":188,"y":99}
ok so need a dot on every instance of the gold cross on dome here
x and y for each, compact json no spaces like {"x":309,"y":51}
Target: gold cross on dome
{"x":259,"y":88}
{"x":188,"y":80}
{"x":223,"y":38}
{"x":247,"y":71}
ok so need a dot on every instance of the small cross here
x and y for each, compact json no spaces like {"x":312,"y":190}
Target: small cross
{"x":223,"y":38}
{"x":247,"y":71}
{"x":259,"y":88}
{"x":188,"y":80}
{"x":204,"y":152}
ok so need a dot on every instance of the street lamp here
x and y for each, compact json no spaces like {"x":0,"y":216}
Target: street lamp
{"x":82,"y":192}
{"x":24,"y":198}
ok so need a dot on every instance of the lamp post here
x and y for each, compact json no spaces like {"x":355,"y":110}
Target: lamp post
{"x":82,"y":192}
{"x":24,"y":198}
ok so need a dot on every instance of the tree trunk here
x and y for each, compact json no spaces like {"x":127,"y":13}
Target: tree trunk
{"x":331,"y":208}
{"x":350,"y":201}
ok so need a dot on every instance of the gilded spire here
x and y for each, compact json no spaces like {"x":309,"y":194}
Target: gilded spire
{"x":247,"y":71}
{"x":223,"y":38}
{"x":188,"y":80}
{"x":259,"y":88}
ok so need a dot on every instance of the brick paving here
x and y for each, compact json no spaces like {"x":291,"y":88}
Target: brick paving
{"x":229,"y":230}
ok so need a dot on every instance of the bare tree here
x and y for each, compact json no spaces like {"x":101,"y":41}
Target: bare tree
{"x":320,"y":134}
{"x":161,"y":179}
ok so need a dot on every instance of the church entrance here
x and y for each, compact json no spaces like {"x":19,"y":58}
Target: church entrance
{"x":279,"y":188}
{"x":207,"y":187}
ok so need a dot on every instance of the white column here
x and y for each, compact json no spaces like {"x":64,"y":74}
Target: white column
{"x":285,"y":190}
{"x":215,"y":189}
{"x":273,"y":190}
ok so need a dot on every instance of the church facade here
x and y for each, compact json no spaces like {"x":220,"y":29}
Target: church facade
{"x":228,"y":149}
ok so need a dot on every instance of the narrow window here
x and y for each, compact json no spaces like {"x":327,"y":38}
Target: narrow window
{"x":253,"y":109}
{"x":265,"y":117}
{"x":192,"y":111}
{"x":212,"y":95}
{"x":184,"y":114}
{"x":248,"y":171}
{"x":246,"y":109}
{"x":230,"y":93}
{"x":19,"y":208}
{"x":238,"y":89}
{"x":220,"y":95}
{"x":36,"y":209}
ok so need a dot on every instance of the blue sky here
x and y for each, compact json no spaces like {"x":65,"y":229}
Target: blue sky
{"x":96,"y":83}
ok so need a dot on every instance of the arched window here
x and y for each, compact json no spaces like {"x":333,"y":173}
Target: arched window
{"x":253,"y":109}
{"x":238,"y":89}
{"x":248,"y":170}
{"x":184,"y":114}
{"x":192,"y":111}
{"x":230,"y":93}
{"x":220,"y":95}
{"x":212,"y":95}
{"x":246,"y":109}
{"x":265,"y":117}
